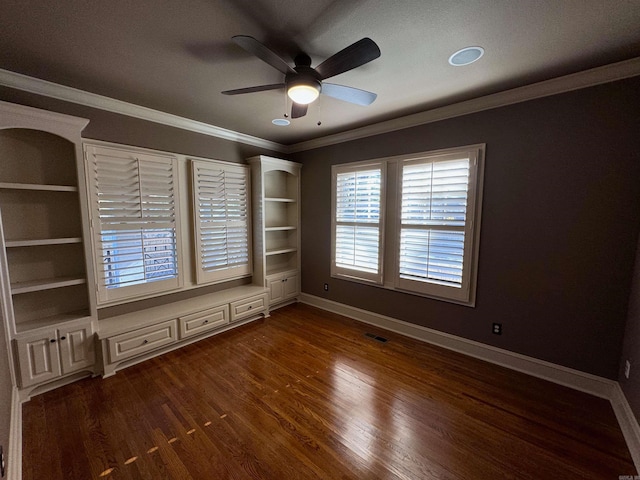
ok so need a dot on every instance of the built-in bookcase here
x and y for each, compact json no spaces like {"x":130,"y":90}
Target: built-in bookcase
{"x":48,"y":303}
{"x":42,"y":226}
{"x":276,"y":200}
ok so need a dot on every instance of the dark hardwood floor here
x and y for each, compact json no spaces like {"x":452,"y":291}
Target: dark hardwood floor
{"x":306,"y":394}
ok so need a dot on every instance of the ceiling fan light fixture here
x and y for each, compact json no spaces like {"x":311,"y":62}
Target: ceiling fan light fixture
{"x":303,"y":93}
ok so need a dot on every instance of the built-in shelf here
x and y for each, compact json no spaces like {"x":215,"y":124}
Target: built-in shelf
{"x":280,"y":200}
{"x":280,"y":269}
{"x":45,"y":284}
{"x":280,"y":251}
{"x":39,"y":187}
{"x":53,"y":320}
{"x":42,"y":242}
{"x":280,"y":229}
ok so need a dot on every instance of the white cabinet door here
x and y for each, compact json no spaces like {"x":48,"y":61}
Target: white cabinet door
{"x":38,"y":358}
{"x":276,"y":289}
{"x":283,"y":287}
{"x":77,"y":350}
{"x":290,"y":285}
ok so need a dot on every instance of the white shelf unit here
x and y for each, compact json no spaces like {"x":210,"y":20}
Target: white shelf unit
{"x":276,"y":206}
{"x":46,"y":269}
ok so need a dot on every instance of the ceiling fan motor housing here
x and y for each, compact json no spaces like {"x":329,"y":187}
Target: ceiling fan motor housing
{"x":304,"y":75}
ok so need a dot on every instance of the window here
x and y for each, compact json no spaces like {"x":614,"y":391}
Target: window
{"x":134,"y":222}
{"x":432,"y":244}
{"x":357,"y":222}
{"x":222,"y":220}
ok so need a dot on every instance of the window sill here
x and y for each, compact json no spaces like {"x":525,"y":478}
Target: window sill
{"x":390,"y":287}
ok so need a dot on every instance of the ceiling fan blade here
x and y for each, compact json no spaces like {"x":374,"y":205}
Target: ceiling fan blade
{"x":355,"y":55}
{"x":260,"y":88}
{"x":298,"y":110}
{"x":348,"y":94}
{"x":252,"y":45}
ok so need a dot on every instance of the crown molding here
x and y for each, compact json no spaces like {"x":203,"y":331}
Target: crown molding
{"x":576,"y":81}
{"x":74,"y":95}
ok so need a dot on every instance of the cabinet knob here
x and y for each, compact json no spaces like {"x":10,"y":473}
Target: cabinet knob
{"x":145,"y":342}
{"x":53,"y":340}
{"x":63,"y":338}
{"x":250,"y":307}
{"x":206,"y":321}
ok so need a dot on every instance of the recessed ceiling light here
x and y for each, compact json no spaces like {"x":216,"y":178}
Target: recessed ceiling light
{"x":466,"y":56}
{"x":281,"y":122}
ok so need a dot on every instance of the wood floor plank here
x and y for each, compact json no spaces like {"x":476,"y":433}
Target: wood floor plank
{"x":307,"y":395}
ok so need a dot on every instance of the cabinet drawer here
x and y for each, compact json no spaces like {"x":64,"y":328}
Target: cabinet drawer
{"x":141,"y":341}
{"x":248,"y":307}
{"x":203,"y":321}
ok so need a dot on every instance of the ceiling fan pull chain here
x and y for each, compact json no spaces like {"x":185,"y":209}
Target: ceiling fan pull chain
{"x":286,"y":104}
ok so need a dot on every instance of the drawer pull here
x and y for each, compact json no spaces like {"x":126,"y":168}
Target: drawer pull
{"x":63,"y":338}
{"x":250,"y":307}
{"x":206,"y":321}
{"x":53,"y":340}
{"x":145,"y":341}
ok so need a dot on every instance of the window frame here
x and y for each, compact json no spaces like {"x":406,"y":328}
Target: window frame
{"x":204,"y":276}
{"x":352,"y":273}
{"x":108,"y":296}
{"x":435,"y":289}
{"x":391,"y":197}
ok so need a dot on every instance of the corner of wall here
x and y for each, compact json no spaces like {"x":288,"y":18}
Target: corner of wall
{"x":628,"y":423}
{"x":14,"y":453}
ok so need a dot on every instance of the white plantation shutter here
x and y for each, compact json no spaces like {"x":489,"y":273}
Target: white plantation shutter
{"x":436,"y":213}
{"x":221,"y":196}
{"x":134,"y":221}
{"x":357,"y":215}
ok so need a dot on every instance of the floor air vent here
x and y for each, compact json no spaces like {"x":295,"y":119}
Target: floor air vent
{"x":376,"y":337}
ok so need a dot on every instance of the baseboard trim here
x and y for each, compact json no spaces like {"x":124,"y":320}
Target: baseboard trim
{"x":628,"y":423}
{"x":14,"y":455}
{"x":584,"y":382}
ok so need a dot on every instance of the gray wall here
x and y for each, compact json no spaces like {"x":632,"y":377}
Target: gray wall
{"x":561,"y":216}
{"x":631,"y":349}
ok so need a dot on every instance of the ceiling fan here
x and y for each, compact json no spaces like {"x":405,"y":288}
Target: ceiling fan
{"x":303,"y":83}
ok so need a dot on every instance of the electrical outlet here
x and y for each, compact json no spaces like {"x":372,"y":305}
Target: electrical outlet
{"x":1,"y":462}
{"x":497,"y":328}
{"x":326,"y":287}
{"x":627,"y":368}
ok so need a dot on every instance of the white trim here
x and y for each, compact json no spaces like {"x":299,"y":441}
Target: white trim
{"x":568,"y":377}
{"x":568,"y":83}
{"x":14,"y":454}
{"x":588,"y":78}
{"x":628,"y":423}
{"x":74,"y":95}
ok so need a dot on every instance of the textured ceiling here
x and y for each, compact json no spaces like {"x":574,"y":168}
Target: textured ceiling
{"x":177,"y":57}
